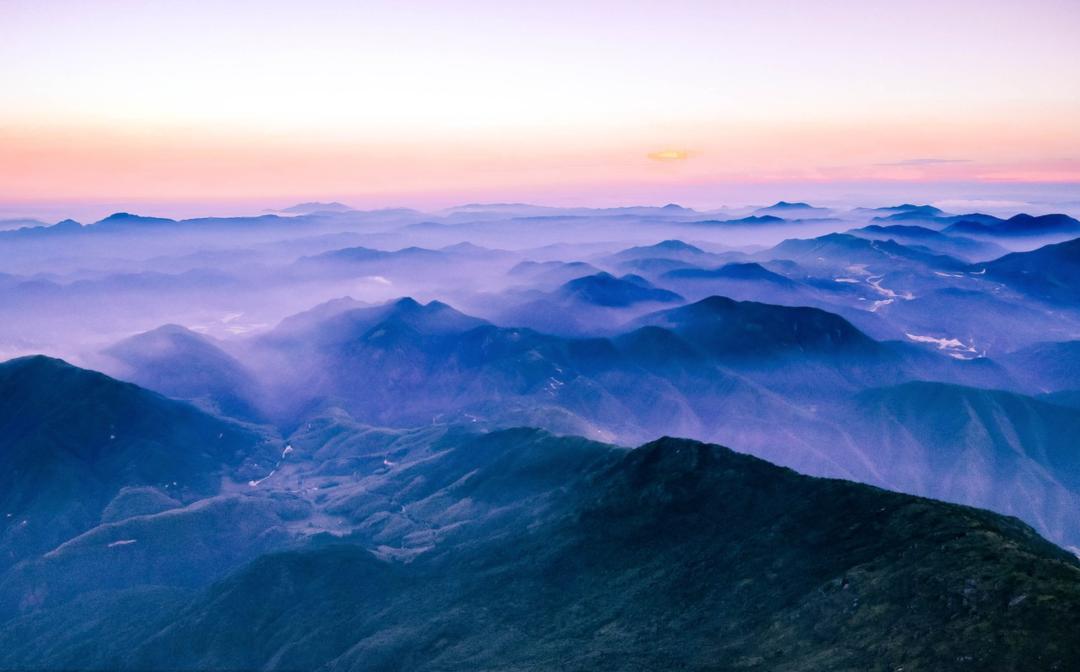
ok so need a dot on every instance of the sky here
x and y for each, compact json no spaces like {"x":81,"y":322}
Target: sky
{"x":433,"y":103}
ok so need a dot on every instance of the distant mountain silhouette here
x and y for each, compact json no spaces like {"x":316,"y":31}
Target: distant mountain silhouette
{"x":788,"y":209}
{"x":179,"y":363}
{"x":20,"y":223}
{"x":41,"y":232}
{"x":742,"y":221}
{"x":668,"y":249}
{"x":728,"y":328}
{"x":952,"y":245}
{"x":548,"y":274}
{"x":315,"y":206}
{"x":363,"y":254}
{"x":842,"y":250}
{"x":604,"y":289}
{"x":1018,"y":225}
{"x":126,"y":219}
{"x":1051,"y":272}
{"x":748,"y":271}
{"x":910,"y":211}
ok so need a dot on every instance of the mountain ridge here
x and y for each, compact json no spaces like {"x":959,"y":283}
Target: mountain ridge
{"x":689,"y":555}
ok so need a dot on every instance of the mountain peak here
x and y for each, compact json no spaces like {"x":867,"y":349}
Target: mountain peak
{"x":434,"y":317}
{"x":38,"y":364}
{"x":796,"y":208}
{"x":126,"y":218}
{"x":670,"y":248}
{"x":676,"y":245}
{"x":675,"y":456}
{"x":911,"y":210}
{"x":756,"y":219}
{"x":725,"y":327}
{"x":786,"y":205}
{"x":316,"y":206}
{"x":1055,"y":220}
{"x":604,"y":289}
{"x":408,"y":303}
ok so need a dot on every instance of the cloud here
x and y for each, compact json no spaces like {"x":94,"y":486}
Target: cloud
{"x":923,"y":162}
{"x":669,"y":155}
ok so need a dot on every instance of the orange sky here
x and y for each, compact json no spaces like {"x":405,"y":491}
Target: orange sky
{"x":127,"y":100}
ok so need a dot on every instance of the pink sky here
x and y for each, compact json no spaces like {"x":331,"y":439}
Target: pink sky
{"x":422,"y":102}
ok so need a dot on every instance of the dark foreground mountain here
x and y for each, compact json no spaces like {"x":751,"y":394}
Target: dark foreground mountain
{"x":677,"y":555}
{"x":77,"y":446}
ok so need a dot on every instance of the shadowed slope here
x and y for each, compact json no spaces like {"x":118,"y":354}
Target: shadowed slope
{"x":678,"y":555}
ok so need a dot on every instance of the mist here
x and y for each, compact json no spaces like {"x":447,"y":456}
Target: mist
{"x":761,"y":327}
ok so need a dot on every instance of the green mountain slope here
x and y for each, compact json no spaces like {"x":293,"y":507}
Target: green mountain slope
{"x":72,"y":440}
{"x":1007,"y":452}
{"x":676,"y":555}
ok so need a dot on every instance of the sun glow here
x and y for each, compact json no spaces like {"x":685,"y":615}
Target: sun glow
{"x":669,"y":155}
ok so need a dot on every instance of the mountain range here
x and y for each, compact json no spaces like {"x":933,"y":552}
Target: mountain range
{"x":331,"y":438}
{"x":522,"y":549}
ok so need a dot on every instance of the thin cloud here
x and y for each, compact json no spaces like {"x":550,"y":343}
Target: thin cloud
{"x":669,"y":155}
{"x":923,"y":162}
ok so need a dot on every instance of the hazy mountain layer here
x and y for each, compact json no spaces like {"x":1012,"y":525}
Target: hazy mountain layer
{"x":398,"y":525}
{"x":780,"y":382}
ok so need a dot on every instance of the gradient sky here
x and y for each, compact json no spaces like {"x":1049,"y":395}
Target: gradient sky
{"x":426,"y":103}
